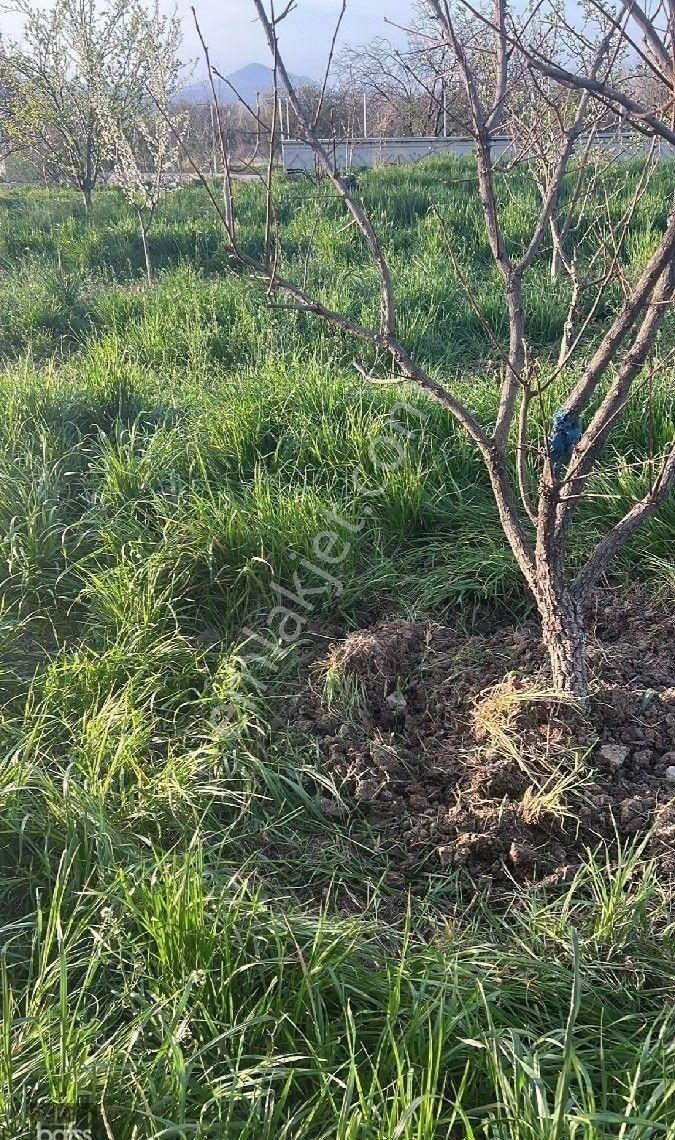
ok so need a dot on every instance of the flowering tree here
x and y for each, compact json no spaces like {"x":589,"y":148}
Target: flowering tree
{"x":51,"y":82}
{"x":143,"y":147}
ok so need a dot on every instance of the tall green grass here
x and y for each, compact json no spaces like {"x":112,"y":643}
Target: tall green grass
{"x":196,"y":934}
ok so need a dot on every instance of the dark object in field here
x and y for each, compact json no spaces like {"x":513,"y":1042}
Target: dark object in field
{"x":565,"y":435}
{"x":351,"y":183}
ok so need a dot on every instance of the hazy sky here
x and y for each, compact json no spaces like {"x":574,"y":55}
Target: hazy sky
{"x":235,"y":38}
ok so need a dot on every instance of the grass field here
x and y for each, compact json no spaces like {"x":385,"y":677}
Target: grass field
{"x":175,"y":946}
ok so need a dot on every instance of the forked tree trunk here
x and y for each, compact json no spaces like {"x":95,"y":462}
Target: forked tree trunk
{"x":564,"y":635}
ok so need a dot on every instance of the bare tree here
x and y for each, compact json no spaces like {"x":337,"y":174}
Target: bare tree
{"x":406,"y":89}
{"x":536,"y":485}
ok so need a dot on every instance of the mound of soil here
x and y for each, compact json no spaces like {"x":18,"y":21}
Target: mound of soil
{"x":454,"y":750}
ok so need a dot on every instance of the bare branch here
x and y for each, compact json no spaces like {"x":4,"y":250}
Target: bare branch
{"x":632,"y":309}
{"x":521,"y":457}
{"x":360,"y":217}
{"x":326,"y":73}
{"x":611,"y":544}
{"x":651,"y":38}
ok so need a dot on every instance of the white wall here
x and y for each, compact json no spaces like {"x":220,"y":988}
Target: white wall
{"x":298,"y":156}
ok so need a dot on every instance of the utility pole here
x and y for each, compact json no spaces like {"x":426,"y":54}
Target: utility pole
{"x":214,"y":161}
{"x":445,"y":110}
{"x":365,"y":116}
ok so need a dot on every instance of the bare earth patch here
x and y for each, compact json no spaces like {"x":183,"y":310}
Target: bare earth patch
{"x":454,"y":751}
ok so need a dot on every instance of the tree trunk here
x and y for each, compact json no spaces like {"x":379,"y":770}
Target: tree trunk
{"x":564,"y":636}
{"x":88,"y":174}
{"x":146,"y":250}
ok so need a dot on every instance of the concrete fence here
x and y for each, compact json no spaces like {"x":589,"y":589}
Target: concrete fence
{"x":359,"y":154}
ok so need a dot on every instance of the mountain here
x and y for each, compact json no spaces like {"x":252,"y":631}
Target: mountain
{"x":246,"y":81}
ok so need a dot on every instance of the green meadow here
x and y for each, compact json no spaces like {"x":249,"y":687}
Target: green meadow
{"x":175,"y":947}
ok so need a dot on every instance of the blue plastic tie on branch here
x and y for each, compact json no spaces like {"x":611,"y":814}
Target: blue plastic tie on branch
{"x":565,"y":435}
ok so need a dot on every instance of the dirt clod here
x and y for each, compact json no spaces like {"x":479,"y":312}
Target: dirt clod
{"x":615,"y":754}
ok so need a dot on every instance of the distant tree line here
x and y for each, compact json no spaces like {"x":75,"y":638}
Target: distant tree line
{"x":383,"y":89}
{"x":93,"y":91}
